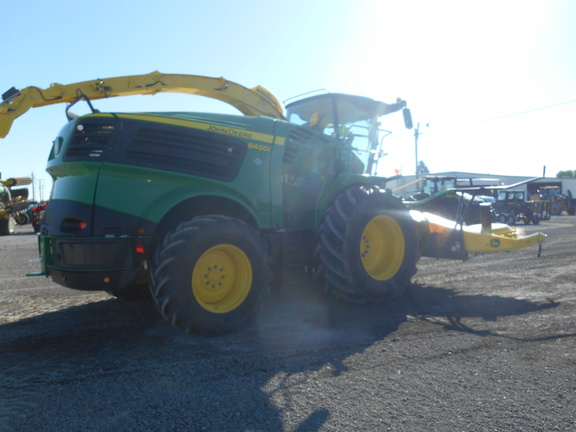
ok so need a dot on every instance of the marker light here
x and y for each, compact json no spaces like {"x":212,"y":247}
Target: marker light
{"x":139,"y":248}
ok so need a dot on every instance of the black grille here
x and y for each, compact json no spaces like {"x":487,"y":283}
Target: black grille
{"x":159,"y":146}
{"x":189,"y":151}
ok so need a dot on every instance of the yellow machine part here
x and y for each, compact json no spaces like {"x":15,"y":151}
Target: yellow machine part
{"x":478,"y":238}
{"x":251,"y":102}
{"x":16,"y":181}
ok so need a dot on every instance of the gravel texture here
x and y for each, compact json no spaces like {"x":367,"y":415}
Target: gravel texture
{"x":483,"y":345}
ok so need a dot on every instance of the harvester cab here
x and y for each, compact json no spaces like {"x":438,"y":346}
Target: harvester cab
{"x":354,"y":121}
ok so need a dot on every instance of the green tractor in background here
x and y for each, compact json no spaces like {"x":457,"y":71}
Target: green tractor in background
{"x":511,"y":207}
{"x":445,"y":196}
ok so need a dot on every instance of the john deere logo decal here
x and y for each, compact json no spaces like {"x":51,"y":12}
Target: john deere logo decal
{"x":495,"y":243}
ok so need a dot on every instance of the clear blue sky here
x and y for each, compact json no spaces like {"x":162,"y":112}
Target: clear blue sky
{"x":481,"y":74}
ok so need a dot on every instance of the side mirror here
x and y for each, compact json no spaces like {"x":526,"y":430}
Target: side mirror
{"x":407,"y":118}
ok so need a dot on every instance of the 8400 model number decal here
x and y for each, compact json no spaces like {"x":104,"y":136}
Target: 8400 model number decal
{"x":260,"y":147}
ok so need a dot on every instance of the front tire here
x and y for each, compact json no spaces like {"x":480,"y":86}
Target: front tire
{"x":21,"y":218}
{"x":210,"y":274}
{"x":367,"y":248}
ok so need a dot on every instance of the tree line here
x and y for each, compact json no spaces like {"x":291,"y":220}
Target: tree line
{"x":566,"y":174}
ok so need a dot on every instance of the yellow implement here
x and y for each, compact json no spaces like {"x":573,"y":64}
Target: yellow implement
{"x":443,"y":238}
{"x":16,"y":181}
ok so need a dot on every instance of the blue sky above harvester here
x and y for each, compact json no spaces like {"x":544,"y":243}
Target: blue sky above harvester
{"x":494,"y":80}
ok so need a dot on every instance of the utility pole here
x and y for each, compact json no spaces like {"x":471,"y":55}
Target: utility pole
{"x":416,"y":135}
{"x":33,"y":187}
{"x":40,"y":191}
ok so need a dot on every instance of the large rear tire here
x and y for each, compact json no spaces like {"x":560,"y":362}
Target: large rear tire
{"x":210,"y":274}
{"x":367,"y":248}
{"x":555,"y":209}
{"x":7,"y":225}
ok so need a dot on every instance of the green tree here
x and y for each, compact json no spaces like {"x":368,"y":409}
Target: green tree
{"x":566,"y":174}
{"x":422,"y":169}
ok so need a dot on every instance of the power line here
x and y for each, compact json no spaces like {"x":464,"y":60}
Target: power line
{"x":503,"y":116}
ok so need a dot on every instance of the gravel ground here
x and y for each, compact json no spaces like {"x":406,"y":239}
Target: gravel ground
{"x":483,"y":345}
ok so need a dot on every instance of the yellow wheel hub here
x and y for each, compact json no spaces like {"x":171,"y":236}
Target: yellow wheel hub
{"x":382,"y":247}
{"x":222,"y":278}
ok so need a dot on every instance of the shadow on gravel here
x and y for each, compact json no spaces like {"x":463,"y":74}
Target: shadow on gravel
{"x":117,"y":363}
{"x":80,"y":327}
{"x":426,"y":301}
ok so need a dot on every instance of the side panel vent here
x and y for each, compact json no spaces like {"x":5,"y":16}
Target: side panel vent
{"x":299,"y":139}
{"x":302,"y":136}
{"x":290,"y":154}
{"x":188,"y":151}
{"x":90,"y":141}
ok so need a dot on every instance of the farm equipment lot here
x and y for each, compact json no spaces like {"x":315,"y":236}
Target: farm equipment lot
{"x":483,"y":345}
